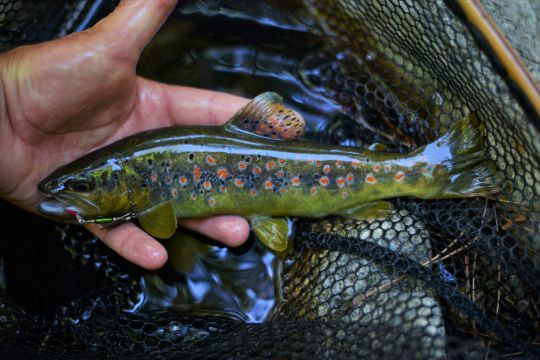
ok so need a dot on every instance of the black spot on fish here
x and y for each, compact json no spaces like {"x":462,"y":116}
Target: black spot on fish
{"x":149,"y":161}
{"x":191,"y":156}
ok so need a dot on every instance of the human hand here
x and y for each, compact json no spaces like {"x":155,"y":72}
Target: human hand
{"x":64,"y":98}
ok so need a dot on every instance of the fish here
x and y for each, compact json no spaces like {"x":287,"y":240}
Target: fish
{"x":257,"y":166}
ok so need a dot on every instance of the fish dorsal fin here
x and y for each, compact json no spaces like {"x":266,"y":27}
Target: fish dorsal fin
{"x":273,"y":232}
{"x":159,"y":221}
{"x":266,"y":116}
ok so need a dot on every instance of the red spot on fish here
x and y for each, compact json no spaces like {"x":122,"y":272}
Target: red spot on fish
{"x":223,"y":188}
{"x":326,"y":169}
{"x":256,"y":170}
{"x":207,"y":185}
{"x":399,"y":176}
{"x":238,"y":182}
{"x":222,"y":173}
{"x":283,"y":190}
{"x":183,"y":180}
{"x":270,"y":165}
{"x":324,"y":181}
{"x":168,"y":180}
{"x":253,"y":192}
{"x":350,"y":178}
{"x":242,"y":165}
{"x":387,"y":168}
{"x":296,"y":181}
{"x":153,"y":177}
{"x":339,"y":163}
{"x":281,"y":162}
{"x":371,"y":179}
{"x":210,"y":160}
{"x":376,"y":168}
{"x":318,"y":162}
{"x":313,"y":190}
{"x":340,"y":182}
{"x":311,"y":161}
{"x":280,"y":174}
{"x":268,"y":184}
{"x":196,"y":173}
{"x":174,"y":193}
{"x":212,"y":201}
{"x":355,"y":164}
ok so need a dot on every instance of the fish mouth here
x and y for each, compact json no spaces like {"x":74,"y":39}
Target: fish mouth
{"x":54,"y":208}
{"x":57,"y":207}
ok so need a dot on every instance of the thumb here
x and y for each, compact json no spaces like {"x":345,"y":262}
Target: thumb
{"x":133,"y":24}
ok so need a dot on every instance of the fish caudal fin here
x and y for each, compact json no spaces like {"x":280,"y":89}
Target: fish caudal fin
{"x":470,"y":173}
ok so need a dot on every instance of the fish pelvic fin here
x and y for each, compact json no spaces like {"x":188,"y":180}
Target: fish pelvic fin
{"x":273,"y":232}
{"x":266,"y":116}
{"x":469,"y":172}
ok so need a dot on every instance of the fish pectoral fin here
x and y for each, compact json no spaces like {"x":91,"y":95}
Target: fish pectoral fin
{"x":273,"y":232}
{"x":266,"y":116}
{"x":368,"y":211}
{"x":159,"y":221}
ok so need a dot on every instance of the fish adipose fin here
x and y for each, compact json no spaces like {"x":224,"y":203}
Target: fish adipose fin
{"x":273,"y":232}
{"x":470,"y":173}
{"x":159,"y":221}
{"x":266,"y":116}
{"x":368,"y":211}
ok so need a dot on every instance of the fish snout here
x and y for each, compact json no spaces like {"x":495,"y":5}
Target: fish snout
{"x":50,"y":187}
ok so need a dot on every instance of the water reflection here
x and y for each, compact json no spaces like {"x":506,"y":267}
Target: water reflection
{"x":212,"y":279}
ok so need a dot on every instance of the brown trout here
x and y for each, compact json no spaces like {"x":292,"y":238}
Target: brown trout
{"x":255,"y":167}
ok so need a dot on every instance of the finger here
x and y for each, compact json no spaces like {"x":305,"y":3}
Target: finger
{"x":133,"y":244}
{"x":230,"y":230}
{"x":181,"y":105}
{"x":133,"y":23}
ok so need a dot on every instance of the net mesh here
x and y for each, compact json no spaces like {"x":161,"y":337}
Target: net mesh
{"x":436,"y":279}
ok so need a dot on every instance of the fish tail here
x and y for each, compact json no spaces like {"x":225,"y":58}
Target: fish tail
{"x":470,"y":173}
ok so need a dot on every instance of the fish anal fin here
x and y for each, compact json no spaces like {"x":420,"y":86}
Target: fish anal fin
{"x":377,"y":147}
{"x":368,"y":211}
{"x":159,"y":221}
{"x":273,"y":232}
{"x":266,"y":116}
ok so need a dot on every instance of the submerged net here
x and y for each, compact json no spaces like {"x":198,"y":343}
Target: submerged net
{"x":437,"y":279}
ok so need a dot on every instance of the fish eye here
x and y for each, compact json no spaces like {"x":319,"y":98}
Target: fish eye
{"x":80,"y":185}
